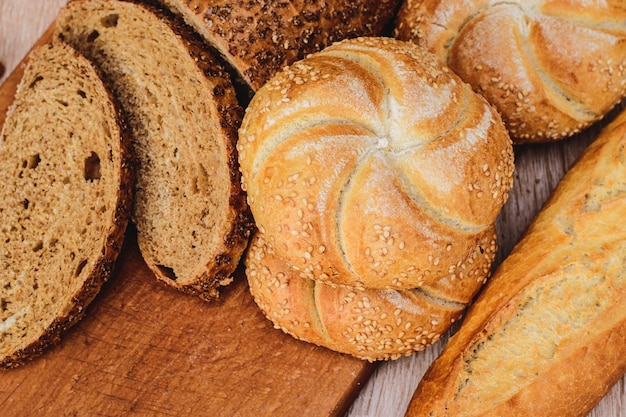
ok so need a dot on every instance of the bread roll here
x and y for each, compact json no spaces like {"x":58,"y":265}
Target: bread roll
{"x":368,"y":324}
{"x":370,"y":164}
{"x":65,"y":199}
{"x":259,"y":38}
{"x":193,"y":223}
{"x":550,"y":67}
{"x":547,"y":335}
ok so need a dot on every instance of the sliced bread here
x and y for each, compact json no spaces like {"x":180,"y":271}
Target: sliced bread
{"x":65,"y":199}
{"x":192,"y":219}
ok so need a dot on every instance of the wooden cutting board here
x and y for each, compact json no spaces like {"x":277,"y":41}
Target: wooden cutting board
{"x":146,"y":349}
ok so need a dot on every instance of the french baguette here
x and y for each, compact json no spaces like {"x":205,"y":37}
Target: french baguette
{"x":551,"y":68}
{"x":547,"y":335}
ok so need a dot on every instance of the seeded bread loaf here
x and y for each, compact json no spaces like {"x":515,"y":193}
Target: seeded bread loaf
{"x":259,"y":38}
{"x":547,"y":335}
{"x":368,"y":324}
{"x":65,"y":199}
{"x":370,"y":164}
{"x":191,"y":215}
{"x":550,"y":67}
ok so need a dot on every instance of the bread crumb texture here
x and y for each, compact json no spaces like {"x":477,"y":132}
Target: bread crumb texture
{"x":64,"y":201}
{"x":190,"y":211}
{"x":551,"y":68}
{"x":371,"y":165}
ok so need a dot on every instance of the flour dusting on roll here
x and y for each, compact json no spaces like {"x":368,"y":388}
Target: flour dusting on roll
{"x":370,"y":164}
{"x":551,"y":68}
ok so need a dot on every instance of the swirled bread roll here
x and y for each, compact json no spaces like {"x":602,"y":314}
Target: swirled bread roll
{"x":372,"y":165}
{"x":368,"y":324}
{"x":259,"y":38}
{"x":550,"y":67}
{"x":547,"y":335}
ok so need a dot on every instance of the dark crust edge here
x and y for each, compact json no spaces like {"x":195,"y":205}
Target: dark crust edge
{"x":105,"y":265}
{"x":301,"y":32}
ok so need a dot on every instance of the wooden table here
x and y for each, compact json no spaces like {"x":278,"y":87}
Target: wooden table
{"x":389,"y":389}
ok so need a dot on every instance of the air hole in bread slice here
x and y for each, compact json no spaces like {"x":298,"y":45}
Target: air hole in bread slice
{"x":110,"y":21}
{"x":32,"y":162}
{"x":167,"y":272}
{"x":80,"y":267}
{"x":93,"y":36}
{"x":201,"y":181}
{"x":38,"y":246}
{"x":35,"y":81}
{"x":92,"y":167}
{"x":81,"y":93}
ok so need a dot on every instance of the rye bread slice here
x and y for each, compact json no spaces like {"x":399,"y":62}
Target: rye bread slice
{"x":192,"y":219}
{"x":65,"y":199}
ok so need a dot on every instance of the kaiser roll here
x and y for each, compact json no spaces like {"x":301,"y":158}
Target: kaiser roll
{"x":370,"y":164}
{"x":550,"y":67}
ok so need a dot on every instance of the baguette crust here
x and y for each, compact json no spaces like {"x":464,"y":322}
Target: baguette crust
{"x":369,"y":164}
{"x":259,"y":38}
{"x":193,"y":222}
{"x":524,"y":57}
{"x":60,"y":291}
{"x":548,"y":338}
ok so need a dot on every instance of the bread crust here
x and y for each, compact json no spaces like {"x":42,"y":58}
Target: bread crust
{"x":102,"y":266}
{"x":369,"y":164}
{"x":259,"y":38}
{"x":524,"y":57}
{"x":569,"y":300}
{"x":368,"y":324}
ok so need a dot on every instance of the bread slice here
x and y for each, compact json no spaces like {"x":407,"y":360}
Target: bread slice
{"x":260,"y":38}
{"x":65,"y":200}
{"x":191,"y":215}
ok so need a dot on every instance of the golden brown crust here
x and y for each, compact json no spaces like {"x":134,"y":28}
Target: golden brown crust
{"x":368,"y":324}
{"x":259,"y":38}
{"x":370,"y":164}
{"x":546,"y":335}
{"x":526,"y":58}
{"x":113,"y":234}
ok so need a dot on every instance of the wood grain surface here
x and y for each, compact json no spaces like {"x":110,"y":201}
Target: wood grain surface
{"x":145,"y":349}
